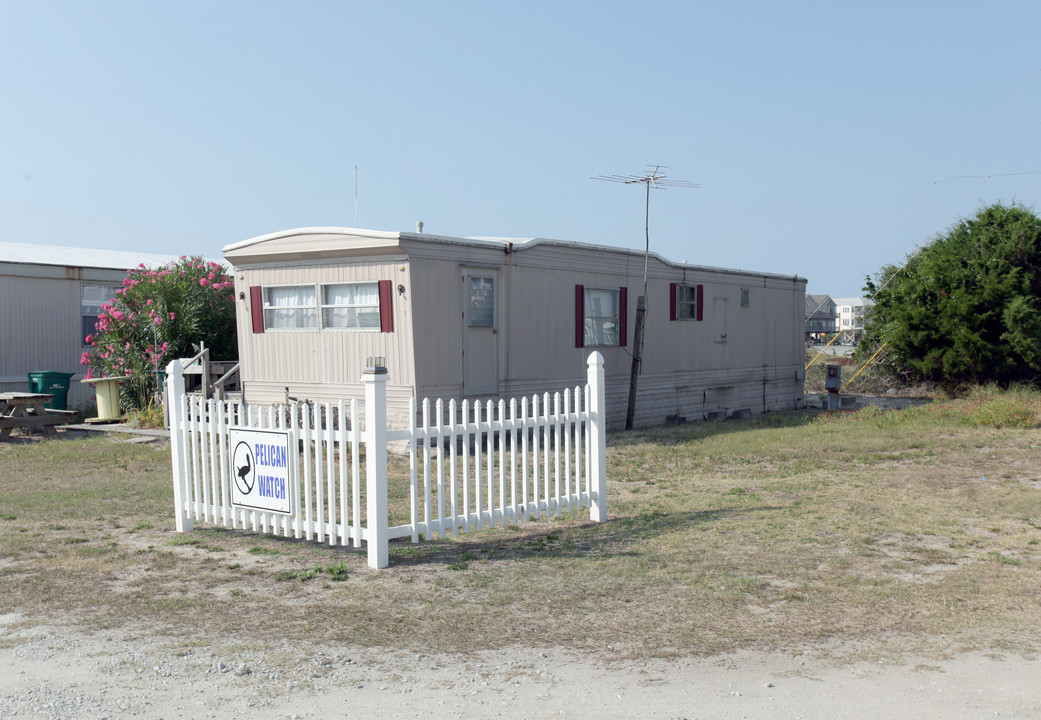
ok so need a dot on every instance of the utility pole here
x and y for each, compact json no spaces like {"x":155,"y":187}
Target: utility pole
{"x":656,"y":179}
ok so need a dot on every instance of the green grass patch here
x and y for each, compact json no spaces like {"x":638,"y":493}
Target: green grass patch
{"x":264,"y":551}
{"x":786,"y":531}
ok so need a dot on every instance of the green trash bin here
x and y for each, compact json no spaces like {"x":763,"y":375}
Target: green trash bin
{"x":51,"y":383}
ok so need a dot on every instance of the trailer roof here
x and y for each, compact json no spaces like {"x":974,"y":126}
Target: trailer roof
{"x":337,"y":242}
{"x":27,"y":254}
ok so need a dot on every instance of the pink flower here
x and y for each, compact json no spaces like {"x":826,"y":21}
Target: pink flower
{"x":204,"y":282}
{"x":89,"y":340}
{"x":171,"y":316}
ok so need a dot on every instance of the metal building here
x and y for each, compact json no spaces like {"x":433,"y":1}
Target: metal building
{"x":50,"y":298}
{"x":482,"y":318}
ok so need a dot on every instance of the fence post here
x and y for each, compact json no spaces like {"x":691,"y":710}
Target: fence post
{"x":377,"y":522}
{"x":175,"y":406}
{"x":597,"y":438}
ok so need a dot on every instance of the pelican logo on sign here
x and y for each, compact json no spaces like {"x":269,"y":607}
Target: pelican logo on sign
{"x":245,"y":468}
{"x":261,"y":470}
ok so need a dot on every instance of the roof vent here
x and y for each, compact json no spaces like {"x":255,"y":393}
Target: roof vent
{"x":419,"y":226}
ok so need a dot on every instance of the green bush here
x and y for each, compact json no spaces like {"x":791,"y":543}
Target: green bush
{"x":964,"y":309}
{"x":156,"y":316}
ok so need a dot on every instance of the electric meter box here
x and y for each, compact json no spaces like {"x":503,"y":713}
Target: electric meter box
{"x":833,"y":377}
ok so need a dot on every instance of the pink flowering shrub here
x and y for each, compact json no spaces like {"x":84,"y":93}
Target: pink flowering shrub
{"x":155,"y":317}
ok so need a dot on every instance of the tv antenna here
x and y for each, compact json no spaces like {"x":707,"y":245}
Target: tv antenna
{"x":652,"y":179}
{"x":659,"y":181}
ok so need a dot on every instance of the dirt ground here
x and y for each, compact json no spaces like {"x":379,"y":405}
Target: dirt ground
{"x":57,"y":667}
{"x":58,"y":672}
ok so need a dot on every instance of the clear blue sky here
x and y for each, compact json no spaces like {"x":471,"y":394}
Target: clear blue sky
{"x":817,"y":130}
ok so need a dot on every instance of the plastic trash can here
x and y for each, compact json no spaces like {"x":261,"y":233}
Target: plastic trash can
{"x":51,"y":383}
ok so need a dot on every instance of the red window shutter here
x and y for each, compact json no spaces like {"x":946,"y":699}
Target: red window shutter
{"x":623,"y":315}
{"x":580,"y":315}
{"x":672,"y":301}
{"x":700,"y":302}
{"x":256,"y":303}
{"x":386,"y":306}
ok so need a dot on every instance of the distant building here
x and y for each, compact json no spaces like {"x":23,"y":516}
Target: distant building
{"x":852,"y":315}
{"x":821,"y":318}
{"x":50,"y":298}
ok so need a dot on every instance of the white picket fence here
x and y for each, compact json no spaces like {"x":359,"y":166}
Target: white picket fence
{"x":472,"y":465}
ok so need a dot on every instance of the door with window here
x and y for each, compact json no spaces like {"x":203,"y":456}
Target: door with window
{"x":480,"y":332}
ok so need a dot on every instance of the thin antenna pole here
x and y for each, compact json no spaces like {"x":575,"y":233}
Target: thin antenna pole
{"x":646,"y":235}
{"x":355,"y":196}
{"x":659,"y":181}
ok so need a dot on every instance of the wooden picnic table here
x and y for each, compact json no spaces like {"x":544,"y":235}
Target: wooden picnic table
{"x":26,"y":411}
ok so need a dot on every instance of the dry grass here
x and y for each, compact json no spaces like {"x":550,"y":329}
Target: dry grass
{"x":903,"y":527}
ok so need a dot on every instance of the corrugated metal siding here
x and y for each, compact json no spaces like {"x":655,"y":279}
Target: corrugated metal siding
{"x":40,"y":326}
{"x":438,"y":325}
{"x":687,"y":370}
{"x":692,"y":395}
{"x":273,"y":393}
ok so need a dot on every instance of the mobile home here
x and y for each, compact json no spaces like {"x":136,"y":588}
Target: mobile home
{"x":481,"y":318}
{"x":50,"y":298}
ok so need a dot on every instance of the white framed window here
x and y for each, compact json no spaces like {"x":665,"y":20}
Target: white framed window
{"x":354,"y":306}
{"x":686,"y":302}
{"x":92,"y":297}
{"x":745,"y":297}
{"x":290,"y":307}
{"x":601,"y":317}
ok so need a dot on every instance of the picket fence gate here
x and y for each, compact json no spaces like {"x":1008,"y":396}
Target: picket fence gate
{"x":474,"y":465}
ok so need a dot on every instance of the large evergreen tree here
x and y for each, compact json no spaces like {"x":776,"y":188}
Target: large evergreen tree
{"x":966,"y":308}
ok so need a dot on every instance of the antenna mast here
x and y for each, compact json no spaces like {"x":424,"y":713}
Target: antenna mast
{"x":659,"y":181}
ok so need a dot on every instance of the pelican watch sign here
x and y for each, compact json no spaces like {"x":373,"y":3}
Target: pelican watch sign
{"x":261,"y":470}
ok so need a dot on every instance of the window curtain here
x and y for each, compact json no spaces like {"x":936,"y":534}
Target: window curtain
{"x":601,"y":317}
{"x":351,"y":305}
{"x":290,"y":307}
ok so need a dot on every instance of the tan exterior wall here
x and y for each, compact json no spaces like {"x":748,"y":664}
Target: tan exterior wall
{"x":324,"y":365}
{"x":41,"y":325}
{"x":689,"y":369}
{"x":736,"y":358}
